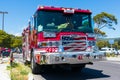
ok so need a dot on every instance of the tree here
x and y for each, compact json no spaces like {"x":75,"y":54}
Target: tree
{"x":98,"y":31}
{"x":9,"y":40}
{"x":104,"y":20}
{"x":5,"y":39}
{"x":16,"y":41}
{"x":115,"y":45}
{"x":102,"y":43}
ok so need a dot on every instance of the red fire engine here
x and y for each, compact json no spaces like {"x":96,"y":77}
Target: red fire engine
{"x":58,"y":36}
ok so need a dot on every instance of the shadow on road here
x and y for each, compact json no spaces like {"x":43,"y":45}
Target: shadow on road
{"x":68,"y":75}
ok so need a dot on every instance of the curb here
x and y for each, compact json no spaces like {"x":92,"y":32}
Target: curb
{"x":30,"y":76}
{"x":5,"y":73}
{"x":113,"y":58}
{"x":4,"y":60}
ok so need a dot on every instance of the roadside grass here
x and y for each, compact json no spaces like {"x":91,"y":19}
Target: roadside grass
{"x":19,"y":71}
{"x":111,"y":55}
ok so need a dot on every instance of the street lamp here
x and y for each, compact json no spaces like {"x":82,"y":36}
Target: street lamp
{"x":1,"y":12}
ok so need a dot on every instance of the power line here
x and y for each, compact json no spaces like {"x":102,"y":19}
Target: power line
{"x":1,"y":12}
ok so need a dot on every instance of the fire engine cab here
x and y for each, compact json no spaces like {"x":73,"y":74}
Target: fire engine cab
{"x":58,"y":36}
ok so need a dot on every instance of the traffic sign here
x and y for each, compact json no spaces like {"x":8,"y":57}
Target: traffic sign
{"x":111,"y":41}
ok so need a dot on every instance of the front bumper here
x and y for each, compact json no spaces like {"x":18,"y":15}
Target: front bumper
{"x":69,"y":58}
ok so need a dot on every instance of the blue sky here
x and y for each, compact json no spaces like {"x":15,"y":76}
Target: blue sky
{"x":19,"y":12}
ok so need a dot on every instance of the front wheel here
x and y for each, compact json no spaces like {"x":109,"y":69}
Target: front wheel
{"x":35,"y":67}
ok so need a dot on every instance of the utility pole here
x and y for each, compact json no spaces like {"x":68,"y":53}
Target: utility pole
{"x":1,"y":12}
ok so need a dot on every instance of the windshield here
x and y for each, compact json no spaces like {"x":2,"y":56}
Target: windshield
{"x":103,"y":49}
{"x":58,"y":21}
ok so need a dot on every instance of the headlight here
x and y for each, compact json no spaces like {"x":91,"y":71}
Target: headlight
{"x":54,"y":43}
{"x":91,"y":43}
{"x":49,"y":34}
{"x":57,"y":43}
{"x":50,"y":43}
{"x":42,"y":44}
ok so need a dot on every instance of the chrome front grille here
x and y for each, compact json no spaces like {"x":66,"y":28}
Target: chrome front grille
{"x":74,"y":43}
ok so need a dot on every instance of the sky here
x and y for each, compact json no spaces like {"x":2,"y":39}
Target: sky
{"x":20,"y":11}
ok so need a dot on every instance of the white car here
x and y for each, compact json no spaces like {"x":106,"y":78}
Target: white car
{"x":118,"y":51}
{"x":108,"y":50}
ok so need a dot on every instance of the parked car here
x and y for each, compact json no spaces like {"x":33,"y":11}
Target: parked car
{"x":5,"y":52}
{"x":108,"y":50}
{"x":118,"y":51}
{"x":17,"y":50}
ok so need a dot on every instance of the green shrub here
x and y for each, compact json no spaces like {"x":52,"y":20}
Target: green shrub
{"x":24,"y":71}
{"x":107,"y":54}
{"x":19,"y":71}
{"x":14,"y":65}
{"x":110,"y":54}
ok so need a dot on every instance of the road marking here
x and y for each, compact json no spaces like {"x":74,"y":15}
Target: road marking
{"x":114,"y":62}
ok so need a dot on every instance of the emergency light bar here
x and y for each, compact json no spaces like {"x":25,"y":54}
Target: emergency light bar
{"x":65,"y":10}
{"x":69,"y":11}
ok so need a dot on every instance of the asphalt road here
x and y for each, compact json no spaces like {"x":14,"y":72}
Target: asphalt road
{"x":102,"y":70}
{"x":18,"y":57}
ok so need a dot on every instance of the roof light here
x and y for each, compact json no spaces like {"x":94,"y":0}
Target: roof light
{"x":63,"y":8}
{"x":68,"y":10}
{"x":41,"y":7}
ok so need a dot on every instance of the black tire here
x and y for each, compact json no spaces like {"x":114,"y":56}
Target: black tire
{"x":36,"y":68}
{"x":77,"y":68}
{"x":26,"y":62}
